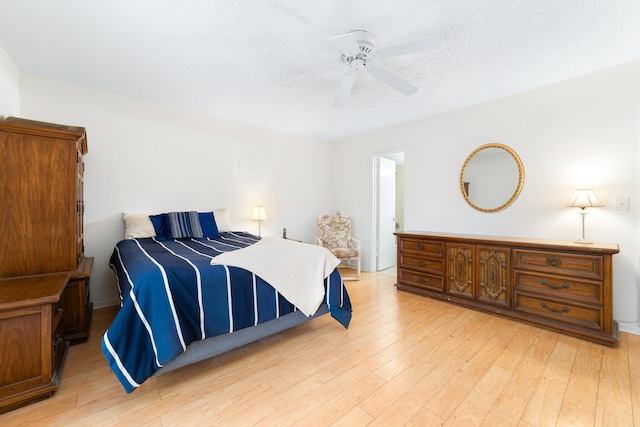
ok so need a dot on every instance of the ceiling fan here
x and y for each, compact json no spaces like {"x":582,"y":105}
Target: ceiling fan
{"x":358,"y":52}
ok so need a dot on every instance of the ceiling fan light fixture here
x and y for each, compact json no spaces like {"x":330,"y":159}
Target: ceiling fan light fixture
{"x":356,"y":64}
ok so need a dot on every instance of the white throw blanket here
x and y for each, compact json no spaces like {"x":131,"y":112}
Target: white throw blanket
{"x":296,"y":270}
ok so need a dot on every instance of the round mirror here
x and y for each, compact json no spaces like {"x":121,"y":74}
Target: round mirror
{"x":491,"y":177}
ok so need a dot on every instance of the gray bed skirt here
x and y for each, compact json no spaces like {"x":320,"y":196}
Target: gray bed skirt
{"x":205,"y":349}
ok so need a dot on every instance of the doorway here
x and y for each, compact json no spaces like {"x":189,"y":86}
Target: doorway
{"x":389,"y":210}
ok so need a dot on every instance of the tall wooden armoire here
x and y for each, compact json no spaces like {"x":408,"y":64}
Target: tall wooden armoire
{"x":42,"y":264}
{"x":41,"y":200}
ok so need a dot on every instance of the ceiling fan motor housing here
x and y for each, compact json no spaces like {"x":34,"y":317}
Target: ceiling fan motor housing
{"x":366,"y":43}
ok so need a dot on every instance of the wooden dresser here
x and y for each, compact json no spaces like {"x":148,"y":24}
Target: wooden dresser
{"x":42,"y":205}
{"x":560,"y":285}
{"x":41,"y":209}
{"x":31,"y":348}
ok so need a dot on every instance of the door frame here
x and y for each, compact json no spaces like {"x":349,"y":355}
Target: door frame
{"x":398,"y":156}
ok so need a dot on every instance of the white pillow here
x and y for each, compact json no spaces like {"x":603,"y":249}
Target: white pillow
{"x":222,"y":219}
{"x":137,"y":225}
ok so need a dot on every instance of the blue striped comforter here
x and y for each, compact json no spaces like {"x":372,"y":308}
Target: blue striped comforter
{"x":172,"y":296}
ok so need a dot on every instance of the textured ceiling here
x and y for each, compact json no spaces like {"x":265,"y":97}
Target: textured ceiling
{"x":231,"y":58}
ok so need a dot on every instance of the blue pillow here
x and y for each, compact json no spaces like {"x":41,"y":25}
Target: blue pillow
{"x":185,"y":224}
{"x":161,"y":225}
{"x":208,"y":224}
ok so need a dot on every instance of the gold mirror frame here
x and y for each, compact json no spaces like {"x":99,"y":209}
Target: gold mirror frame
{"x":516,"y":193}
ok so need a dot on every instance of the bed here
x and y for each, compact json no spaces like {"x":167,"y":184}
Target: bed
{"x":187,"y":298}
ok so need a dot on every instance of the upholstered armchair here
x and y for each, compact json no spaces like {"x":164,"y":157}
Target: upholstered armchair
{"x":334,"y":233}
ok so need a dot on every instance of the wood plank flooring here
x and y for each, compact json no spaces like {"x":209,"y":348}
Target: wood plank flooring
{"x":406,"y":360}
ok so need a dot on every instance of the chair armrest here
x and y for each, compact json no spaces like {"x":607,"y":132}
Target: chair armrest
{"x":356,"y":241}
{"x":318,"y":241}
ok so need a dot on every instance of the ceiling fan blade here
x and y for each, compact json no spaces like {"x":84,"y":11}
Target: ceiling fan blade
{"x":415,"y":46}
{"x":393,"y":80}
{"x":344,"y":90}
{"x":347,"y":44}
{"x":316,"y":72}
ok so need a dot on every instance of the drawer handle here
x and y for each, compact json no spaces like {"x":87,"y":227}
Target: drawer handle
{"x":424,"y":264}
{"x":554,"y":262}
{"x":555,"y":310}
{"x":420,"y":247}
{"x":425,"y":280}
{"x":545,"y":283}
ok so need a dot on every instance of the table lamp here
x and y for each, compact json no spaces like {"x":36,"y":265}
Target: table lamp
{"x":259,"y":214}
{"x":584,"y":198}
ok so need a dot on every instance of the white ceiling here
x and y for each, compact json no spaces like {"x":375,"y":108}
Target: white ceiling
{"x":230,"y":58}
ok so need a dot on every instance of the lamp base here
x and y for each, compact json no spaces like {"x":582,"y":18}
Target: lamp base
{"x":583,"y":242}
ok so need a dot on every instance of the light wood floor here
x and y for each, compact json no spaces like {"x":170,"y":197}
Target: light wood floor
{"x":405,"y":360}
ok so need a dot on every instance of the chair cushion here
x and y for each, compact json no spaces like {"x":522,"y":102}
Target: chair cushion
{"x":334,"y":231}
{"x":345,"y":253}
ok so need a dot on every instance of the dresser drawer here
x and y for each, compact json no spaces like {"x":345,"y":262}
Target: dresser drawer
{"x":562,"y":311}
{"x":560,"y":287}
{"x":420,"y":280}
{"x":429,"y":248}
{"x":579,"y":265}
{"x":413,"y":262}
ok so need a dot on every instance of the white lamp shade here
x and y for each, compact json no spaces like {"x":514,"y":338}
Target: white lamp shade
{"x":259,"y":213}
{"x":585,"y":198}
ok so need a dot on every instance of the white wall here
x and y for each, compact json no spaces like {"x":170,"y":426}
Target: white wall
{"x":579,"y":133}
{"x":145,"y":157}
{"x":9,"y":86}
{"x":582,"y":132}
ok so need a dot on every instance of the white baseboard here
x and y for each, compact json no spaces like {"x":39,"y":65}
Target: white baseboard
{"x":630,"y":327}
